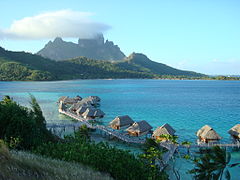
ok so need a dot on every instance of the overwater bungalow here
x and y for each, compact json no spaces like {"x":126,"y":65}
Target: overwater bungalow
{"x":121,"y":122}
{"x":96,"y":98}
{"x":68,"y":100}
{"x":89,"y":113}
{"x":62,"y":107}
{"x":93,"y":100}
{"x":99,"y":113}
{"x":81,"y":110}
{"x":207,"y":133}
{"x":62,"y":98}
{"x":93,"y":113}
{"x":78,"y":98}
{"x":79,"y":104}
{"x":165,"y":129}
{"x":139,"y":128}
{"x":235,"y":131}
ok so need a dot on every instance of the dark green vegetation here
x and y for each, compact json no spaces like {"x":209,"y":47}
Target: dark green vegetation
{"x":118,"y":163}
{"x":213,"y":164}
{"x":141,"y":63}
{"x":21,"y":127}
{"x":25,"y":66}
{"x":25,"y":128}
{"x":95,"y":48}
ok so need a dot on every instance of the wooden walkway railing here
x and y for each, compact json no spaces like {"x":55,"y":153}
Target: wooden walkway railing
{"x":105,"y":129}
{"x":120,"y":135}
{"x":212,"y":145}
{"x":75,"y":125}
{"x":74,"y":116}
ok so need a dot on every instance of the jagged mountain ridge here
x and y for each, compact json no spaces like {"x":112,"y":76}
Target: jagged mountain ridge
{"x":95,"y":48}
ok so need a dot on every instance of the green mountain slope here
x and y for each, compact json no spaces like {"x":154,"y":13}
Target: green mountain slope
{"x":140,"y":63}
{"x":26,"y":66}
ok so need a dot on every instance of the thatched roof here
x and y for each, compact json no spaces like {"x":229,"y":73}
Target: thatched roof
{"x":78,"y":98}
{"x":79,"y":104}
{"x":62,"y":98}
{"x":208,"y":132}
{"x":235,"y":130}
{"x":68,"y":100}
{"x":99,"y":113}
{"x":141,"y":126}
{"x":62,"y":106}
{"x":96,"y":98}
{"x":164,"y":129}
{"x":200,"y":131}
{"x":93,"y":100}
{"x":89,"y":112}
{"x":81,"y":110}
{"x":122,"y":121}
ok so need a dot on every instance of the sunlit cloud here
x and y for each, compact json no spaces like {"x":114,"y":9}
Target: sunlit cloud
{"x":64,"y":23}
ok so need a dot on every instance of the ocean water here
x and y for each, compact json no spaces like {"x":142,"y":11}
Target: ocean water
{"x":186,"y":105}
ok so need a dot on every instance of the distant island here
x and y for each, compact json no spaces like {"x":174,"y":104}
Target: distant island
{"x":22,"y":66}
{"x":95,"y":48}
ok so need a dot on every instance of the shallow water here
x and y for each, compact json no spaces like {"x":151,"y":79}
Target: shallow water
{"x":184,"y":104}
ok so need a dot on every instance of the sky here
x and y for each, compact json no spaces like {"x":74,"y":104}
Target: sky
{"x":197,"y":35}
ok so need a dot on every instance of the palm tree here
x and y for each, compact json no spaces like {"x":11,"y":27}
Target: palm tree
{"x":150,"y":143}
{"x":213,"y":165}
{"x":37,"y":112}
{"x":187,"y":144}
{"x":168,"y":137}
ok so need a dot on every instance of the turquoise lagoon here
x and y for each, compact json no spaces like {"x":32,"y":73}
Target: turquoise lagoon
{"x":186,"y":105}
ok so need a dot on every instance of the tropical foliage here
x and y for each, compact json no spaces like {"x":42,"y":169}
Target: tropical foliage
{"x":213,"y":165}
{"x":22,"y":127}
{"x":25,"y":128}
{"x":168,"y":137}
{"x":118,"y":163}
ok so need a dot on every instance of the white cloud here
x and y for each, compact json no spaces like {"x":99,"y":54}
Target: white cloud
{"x":64,"y":23}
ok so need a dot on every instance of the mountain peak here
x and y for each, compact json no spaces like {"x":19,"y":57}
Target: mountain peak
{"x":97,"y":40}
{"x":58,"y":40}
{"x":2,"y":49}
{"x":94,"y":48}
{"x":137,"y":57}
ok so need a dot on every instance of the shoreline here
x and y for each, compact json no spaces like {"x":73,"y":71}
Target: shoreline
{"x":110,"y":79}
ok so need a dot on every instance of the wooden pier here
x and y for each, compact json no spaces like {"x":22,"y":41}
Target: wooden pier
{"x":165,"y":158}
{"x":212,"y":145}
{"x":104,"y":129}
{"x":126,"y":138}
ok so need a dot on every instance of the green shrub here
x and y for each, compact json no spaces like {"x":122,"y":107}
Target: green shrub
{"x":118,"y":163}
{"x":22,"y":127}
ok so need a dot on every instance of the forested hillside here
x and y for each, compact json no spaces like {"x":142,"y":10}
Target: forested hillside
{"x":26,"y":66}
